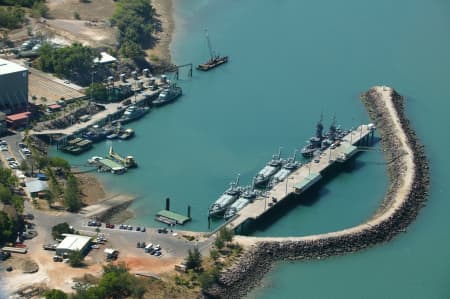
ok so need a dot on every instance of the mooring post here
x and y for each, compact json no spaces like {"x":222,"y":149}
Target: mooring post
{"x":167,"y":204}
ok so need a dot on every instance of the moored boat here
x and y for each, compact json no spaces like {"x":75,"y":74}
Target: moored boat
{"x":226,"y":199}
{"x":77,"y":146}
{"x":132,"y":113}
{"x":247,"y":196}
{"x":127,"y":134}
{"x":168,"y":95}
{"x":290,"y":165}
{"x":263,"y":176}
{"x":214,"y":60}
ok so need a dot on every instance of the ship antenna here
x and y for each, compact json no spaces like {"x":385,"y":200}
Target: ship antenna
{"x":208,"y":41}
{"x":279,"y":152}
{"x":295,"y":155}
{"x":237,"y":179}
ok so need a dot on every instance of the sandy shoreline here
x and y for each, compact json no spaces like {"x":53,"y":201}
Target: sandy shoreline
{"x":160,"y":53}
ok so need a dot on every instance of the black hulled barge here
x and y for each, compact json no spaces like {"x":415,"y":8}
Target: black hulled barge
{"x":214,"y":61}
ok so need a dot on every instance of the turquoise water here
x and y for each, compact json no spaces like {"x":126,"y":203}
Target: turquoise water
{"x":290,"y":62}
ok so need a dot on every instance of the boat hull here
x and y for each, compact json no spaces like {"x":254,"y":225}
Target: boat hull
{"x":212,"y":64}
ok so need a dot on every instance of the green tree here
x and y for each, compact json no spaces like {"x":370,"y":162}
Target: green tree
{"x":219,"y":243}
{"x":39,"y":9}
{"x":98,"y":92}
{"x":25,"y":3}
{"x":11,"y":17}
{"x":76,"y":259}
{"x":214,"y":254}
{"x":7,"y":178}
{"x":59,"y":162}
{"x":226,"y":234}
{"x":55,"y":294}
{"x":61,"y":228}
{"x":207,"y":278}
{"x":7,"y":231}
{"x":133,"y":19}
{"x":18,"y":203}
{"x":194,"y":259}
{"x":23,"y":165}
{"x":5,"y":195}
{"x":72,"y":199}
{"x":73,"y":62}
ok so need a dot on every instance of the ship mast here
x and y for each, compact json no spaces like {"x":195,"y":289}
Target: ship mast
{"x":208,"y":41}
{"x":319,"y":128}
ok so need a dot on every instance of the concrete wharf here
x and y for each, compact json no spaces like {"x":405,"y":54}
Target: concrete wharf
{"x":304,"y":177}
{"x":143,"y":95}
{"x":111,"y":112}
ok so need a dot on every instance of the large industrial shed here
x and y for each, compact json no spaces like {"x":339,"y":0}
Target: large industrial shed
{"x":14,"y":87}
{"x":73,"y":243}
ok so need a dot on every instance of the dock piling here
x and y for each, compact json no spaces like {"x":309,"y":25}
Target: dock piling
{"x":167,"y":204}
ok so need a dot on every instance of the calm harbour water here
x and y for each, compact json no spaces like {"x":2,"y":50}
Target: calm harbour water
{"x":291,"y":61}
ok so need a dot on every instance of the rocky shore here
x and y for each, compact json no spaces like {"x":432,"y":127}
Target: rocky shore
{"x":408,"y":171}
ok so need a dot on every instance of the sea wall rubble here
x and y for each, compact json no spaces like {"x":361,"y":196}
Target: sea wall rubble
{"x":397,"y":211}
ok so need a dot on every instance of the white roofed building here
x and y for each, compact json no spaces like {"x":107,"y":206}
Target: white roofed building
{"x":104,"y":58}
{"x":73,"y":243}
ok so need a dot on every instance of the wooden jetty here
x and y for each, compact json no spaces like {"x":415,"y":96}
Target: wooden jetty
{"x":305,"y":177}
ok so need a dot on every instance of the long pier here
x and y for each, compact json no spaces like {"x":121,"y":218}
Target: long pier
{"x":304,"y":177}
{"x":112,"y":110}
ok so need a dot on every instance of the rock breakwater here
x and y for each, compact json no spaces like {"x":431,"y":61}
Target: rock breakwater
{"x":408,"y":170}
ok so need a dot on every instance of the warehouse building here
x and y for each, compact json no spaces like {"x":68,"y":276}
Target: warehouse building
{"x":14,"y":87}
{"x":73,"y":243}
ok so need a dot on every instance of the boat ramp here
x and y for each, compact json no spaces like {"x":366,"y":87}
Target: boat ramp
{"x":304,"y":177}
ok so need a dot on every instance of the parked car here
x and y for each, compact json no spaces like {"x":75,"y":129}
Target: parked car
{"x":4,"y":255}
{"x":57,"y":258}
{"x":163,"y":230}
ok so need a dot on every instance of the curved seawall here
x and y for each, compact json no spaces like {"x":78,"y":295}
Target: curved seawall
{"x":408,"y":171}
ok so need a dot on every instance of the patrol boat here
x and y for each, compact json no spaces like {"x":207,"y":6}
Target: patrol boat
{"x":285,"y":171}
{"x":247,"y":196}
{"x":226,"y":199}
{"x":132,"y":113}
{"x":263,"y":176}
{"x":168,"y":95}
{"x":314,"y":143}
